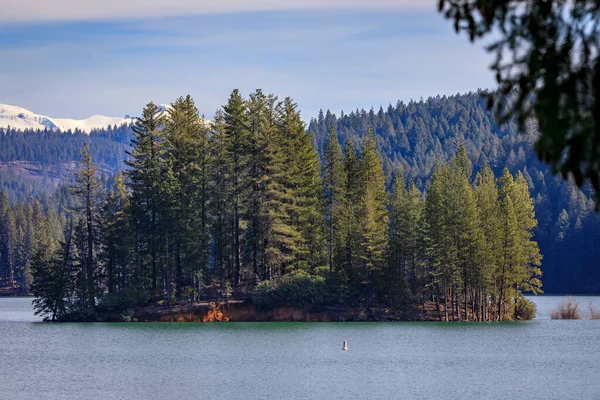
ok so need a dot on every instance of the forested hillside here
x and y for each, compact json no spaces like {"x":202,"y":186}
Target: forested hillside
{"x":36,"y":162}
{"x":412,"y":135}
{"x":416,"y":134}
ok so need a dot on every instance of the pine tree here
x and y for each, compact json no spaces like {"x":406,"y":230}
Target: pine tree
{"x":350,"y":225}
{"x":281,"y":235}
{"x":52,"y":271}
{"x":406,"y":232}
{"x":398,"y":197}
{"x":204,"y":162}
{"x":372,"y":216}
{"x":397,"y":206}
{"x":510,"y":246}
{"x":490,"y":224}
{"x":220,"y":213}
{"x":237,"y":141}
{"x":414,"y":232}
{"x":468,"y":237}
{"x":20,"y":218}
{"x":115,"y":236}
{"x":529,"y":272}
{"x":438,"y":238}
{"x":36,"y":225}
{"x":260,"y":128}
{"x":521,"y":258}
{"x":145,"y":178}
{"x":304,"y":184}
{"x":87,"y":191}
{"x":7,"y":241}
{"x":335,"y":185}
{"x":188,"y":161}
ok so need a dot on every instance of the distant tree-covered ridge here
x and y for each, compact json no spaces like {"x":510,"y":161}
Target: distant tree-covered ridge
{"x":36,"y":162}
{"x":245,"y":207}
{"x":409,"y":135}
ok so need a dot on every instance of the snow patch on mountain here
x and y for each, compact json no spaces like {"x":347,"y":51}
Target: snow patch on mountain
{"x":164,"y":109}
{"x":20,"y":118}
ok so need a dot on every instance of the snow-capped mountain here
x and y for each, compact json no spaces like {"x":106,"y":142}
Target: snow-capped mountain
{"x":20,"y":118}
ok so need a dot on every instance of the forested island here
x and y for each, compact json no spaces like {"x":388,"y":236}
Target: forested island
{"x":242,"y":210}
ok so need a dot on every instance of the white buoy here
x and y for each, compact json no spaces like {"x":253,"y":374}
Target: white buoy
{"x":345,"y":346}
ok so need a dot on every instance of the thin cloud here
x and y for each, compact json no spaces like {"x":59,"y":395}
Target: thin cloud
{"x":337,"y":60}
{"x":27,"y":11}
{"x":334,"y":78}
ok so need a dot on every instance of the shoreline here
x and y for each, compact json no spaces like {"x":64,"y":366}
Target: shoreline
{"x":246,"y":311}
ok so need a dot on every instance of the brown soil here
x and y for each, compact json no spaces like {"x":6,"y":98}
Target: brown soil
{"x":245,"y":311}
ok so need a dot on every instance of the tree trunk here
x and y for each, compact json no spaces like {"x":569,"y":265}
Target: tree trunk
{"x":152,"y":243}
{"x":446,"y":291}
{"x":90,"y":244}
{"x":178,"y":269}
{"x":501,"y":297}
{"x":437,"y":301}
{"x":236,"y":239}
{"x":466,"y":302}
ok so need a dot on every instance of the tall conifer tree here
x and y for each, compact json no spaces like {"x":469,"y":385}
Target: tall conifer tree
{"x":236,"y":129}
{"x":188,"y":158}
{"x":7,"y":241}
{"x":145,"y":179}
{"x":372,"y":215}
{"x":335,"y":185}
{"x":349,"y":212}
{"x":220,"y":212}
{"x":260,"y":126}
{"x":115,"y":236}
{"x":490,"y":223}
{"x":88,"y":192}
{"x":304,"y":185}
{"x":406,"y":232}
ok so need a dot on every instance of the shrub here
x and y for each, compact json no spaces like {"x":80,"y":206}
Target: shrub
{"x":567,"y":310}
{"x":122,"y":300}
{"x":594,"y":313}
{"x":524,"y":309}
{"x":296,"y":288}
{"x":189,"y":294}
{"x":362,"y":315}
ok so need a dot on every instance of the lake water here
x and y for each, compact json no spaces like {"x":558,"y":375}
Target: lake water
{"x":542,"y":359}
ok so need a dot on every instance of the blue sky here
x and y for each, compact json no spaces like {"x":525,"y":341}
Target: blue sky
{"x":112,"y":59}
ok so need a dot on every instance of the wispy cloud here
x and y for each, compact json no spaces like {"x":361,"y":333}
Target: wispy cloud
{"x":337,"y":59}
{"x":75,"y":10}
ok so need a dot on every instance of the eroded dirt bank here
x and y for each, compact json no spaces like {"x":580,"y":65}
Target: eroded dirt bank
{"x":246,"y":311}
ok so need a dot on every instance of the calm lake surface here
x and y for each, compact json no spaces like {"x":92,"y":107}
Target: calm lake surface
{"x":543,"y":359}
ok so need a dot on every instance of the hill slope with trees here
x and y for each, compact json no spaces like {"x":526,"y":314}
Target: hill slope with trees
{"x":412,"y":136}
